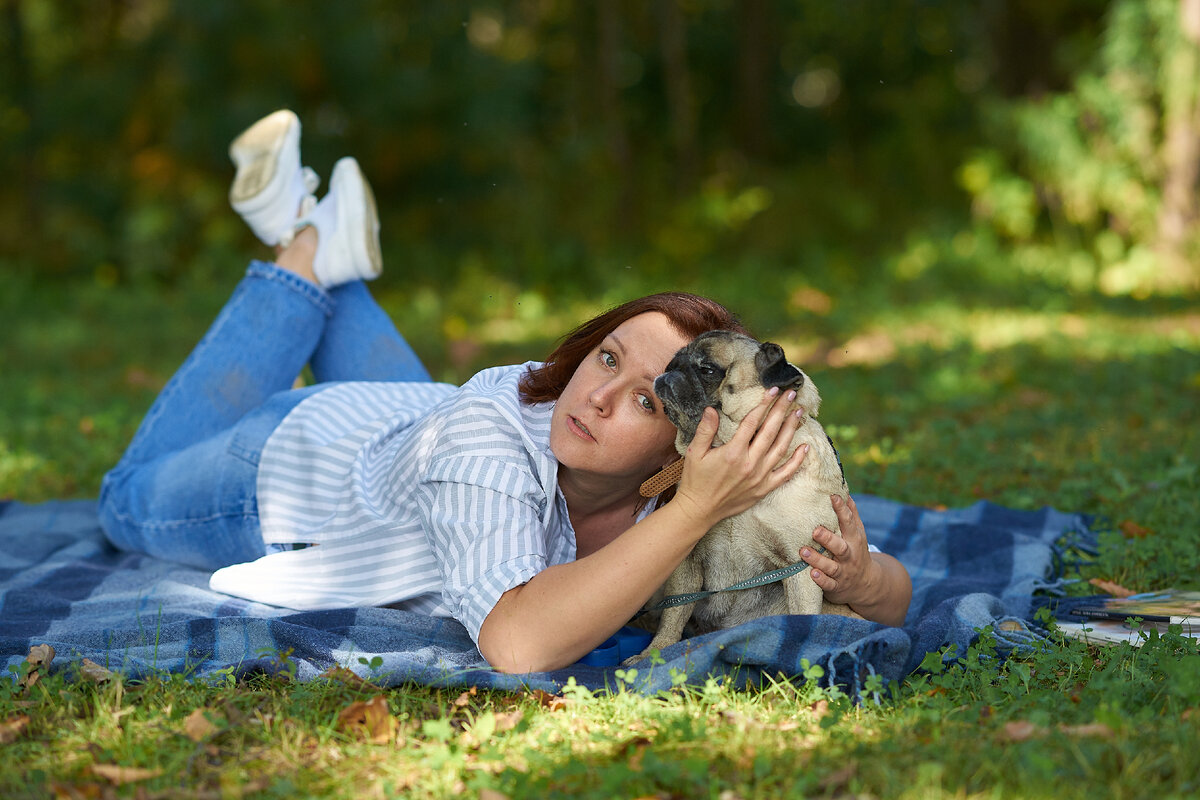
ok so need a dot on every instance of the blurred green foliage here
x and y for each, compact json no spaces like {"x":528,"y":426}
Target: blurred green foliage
{"x":571,"y":149}
{"x":1095,"y":188}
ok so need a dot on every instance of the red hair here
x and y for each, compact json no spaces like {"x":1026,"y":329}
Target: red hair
{"x":690,"y":315}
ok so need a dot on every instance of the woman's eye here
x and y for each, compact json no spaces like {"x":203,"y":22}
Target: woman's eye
{"x":608,"y":359}
{"x":646,"y":402}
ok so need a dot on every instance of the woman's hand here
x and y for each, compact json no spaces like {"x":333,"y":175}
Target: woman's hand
{"x":874,"y":584}
{"x":719,"y":482}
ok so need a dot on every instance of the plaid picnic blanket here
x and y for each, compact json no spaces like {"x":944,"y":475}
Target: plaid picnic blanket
{"x":61,"y":583}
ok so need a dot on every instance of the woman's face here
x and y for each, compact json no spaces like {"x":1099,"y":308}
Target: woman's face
{"x":608,"y":420}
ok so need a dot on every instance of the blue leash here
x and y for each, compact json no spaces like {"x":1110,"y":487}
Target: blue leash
{"x":630,"y":641}
{"x":758,"y":580}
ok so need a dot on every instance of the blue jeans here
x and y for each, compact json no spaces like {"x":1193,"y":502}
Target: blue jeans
{"x":185,"y":488}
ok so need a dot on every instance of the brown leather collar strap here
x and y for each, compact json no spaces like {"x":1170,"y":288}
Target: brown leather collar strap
{"x":662,"y":480}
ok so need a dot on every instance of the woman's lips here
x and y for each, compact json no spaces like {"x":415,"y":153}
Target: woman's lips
{"x":580,"y":430}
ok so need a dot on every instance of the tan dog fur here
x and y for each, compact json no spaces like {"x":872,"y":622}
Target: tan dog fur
{"x":770,"y":534}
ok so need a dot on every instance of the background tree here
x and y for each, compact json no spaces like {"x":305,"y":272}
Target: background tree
{"x":1094,"y":187}
{"x":551,"y":144}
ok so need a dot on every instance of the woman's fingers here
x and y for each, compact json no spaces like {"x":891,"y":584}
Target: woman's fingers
{"x":754,"y":462}
{"x":851,"y":524}
{"x":820,"y":561}
{"x":706,"y":431}
{"x":756,"y":420}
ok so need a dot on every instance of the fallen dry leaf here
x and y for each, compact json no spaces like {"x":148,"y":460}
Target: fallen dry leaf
{"x":77,"y":791}
{"x":509,"y":720}
{"x":1020,"y":730}
{"x":39,"y":658}
{"x":1131,"y":530}
{"x":346,"y":676}
{"x":819,"y":709}
{"x":491,"y":794}
{"x":118,"y":775}
{"x":371,"y":719}
{"x":1108,"y":587}
{"x":91,"y":671}
{"x":40,"y":655}
{"x":839,"y":777}
{"x":1088,"y":729}
{"x":465,"y":698}
{"x":551,"y":702}
{"x":634,"y":750}
{"x":139,"y":378}
{"x":1010,"y":625}
{"x":197,"y":726}
{"x":13,"y":727}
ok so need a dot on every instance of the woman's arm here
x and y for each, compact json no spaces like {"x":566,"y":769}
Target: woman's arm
{"x":875,"y":585}
{"x":565,"y":611}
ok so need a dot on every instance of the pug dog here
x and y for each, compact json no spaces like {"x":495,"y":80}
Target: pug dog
{"x":730,"y":372}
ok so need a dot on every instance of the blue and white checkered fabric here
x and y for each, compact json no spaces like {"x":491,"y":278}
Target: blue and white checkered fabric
{"x":62,"y":584}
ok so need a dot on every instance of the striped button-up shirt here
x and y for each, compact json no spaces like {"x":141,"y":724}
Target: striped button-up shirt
{"x":423,"y":496}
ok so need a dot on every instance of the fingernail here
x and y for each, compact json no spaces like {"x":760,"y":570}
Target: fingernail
{"x":837,"y":499}
{"x":791,"y":395}
{"x":805,"y":552}
{"x":800,"y":413}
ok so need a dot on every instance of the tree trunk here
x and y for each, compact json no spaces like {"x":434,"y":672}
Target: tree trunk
{"x":672,"y":37}
{"x":22,"y":86}
{"x":617,"y":137}
{"x":754,"y":76}
{"x":1181,"y":149}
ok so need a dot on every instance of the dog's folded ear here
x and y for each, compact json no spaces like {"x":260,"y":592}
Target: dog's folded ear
{"x":774,"y":369}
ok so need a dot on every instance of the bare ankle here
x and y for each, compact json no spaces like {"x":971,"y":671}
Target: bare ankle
{"x":298,"y":256}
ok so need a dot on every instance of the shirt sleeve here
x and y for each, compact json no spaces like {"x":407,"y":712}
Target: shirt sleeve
{"x":485,"y":526}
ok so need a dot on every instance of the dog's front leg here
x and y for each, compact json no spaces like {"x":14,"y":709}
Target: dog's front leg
{"x":687,"y":577}
{"x":803,"y":596}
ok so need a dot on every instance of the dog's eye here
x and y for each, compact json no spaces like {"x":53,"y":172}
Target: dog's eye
{"x":707,"y":370}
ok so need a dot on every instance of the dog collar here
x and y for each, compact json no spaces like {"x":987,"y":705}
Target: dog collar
{"x":662,"y":480}
{"x":669,"y":475}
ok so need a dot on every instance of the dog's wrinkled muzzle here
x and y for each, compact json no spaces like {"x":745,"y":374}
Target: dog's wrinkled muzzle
{"x":683,"y":399}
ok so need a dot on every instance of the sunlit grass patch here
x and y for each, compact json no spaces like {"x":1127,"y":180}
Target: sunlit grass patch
{"x":1093,"y":335}
{"x":1065,"y":718}
{"x":1087,"y":406}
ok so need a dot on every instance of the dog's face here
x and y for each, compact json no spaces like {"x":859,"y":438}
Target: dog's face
{"x":729,"y":372}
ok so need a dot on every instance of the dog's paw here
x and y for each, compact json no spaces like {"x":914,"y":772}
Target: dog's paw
{"x":629,"y":662}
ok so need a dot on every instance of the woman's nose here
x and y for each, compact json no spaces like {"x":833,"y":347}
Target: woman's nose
{"x":601,"y":398}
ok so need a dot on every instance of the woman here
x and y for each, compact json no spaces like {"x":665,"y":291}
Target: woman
{"x":510,"y":503}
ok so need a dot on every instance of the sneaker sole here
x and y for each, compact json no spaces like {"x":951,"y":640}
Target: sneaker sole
{"x":256,"y":151}
{"x":361,"y":205}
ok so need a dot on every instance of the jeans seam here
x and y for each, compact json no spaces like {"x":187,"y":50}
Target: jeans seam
{"x":306,"y":289}
{"x":135,"y":522}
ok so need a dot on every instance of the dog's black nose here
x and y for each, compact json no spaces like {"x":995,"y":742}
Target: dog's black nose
{"x":664,"y":385}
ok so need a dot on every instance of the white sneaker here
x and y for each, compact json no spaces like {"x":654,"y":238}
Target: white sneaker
{"x":271,"y":189}
{"x":347,"y":224}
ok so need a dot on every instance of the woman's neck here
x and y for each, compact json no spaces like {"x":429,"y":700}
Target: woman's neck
{"x":600,"y":509}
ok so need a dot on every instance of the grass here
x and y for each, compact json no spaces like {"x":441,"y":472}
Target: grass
{"x":1086,"y":404}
